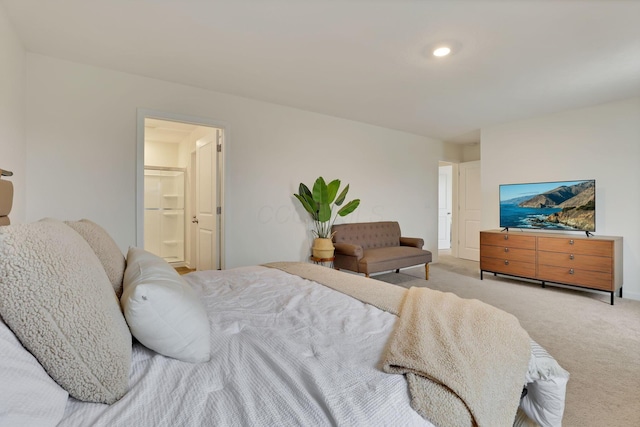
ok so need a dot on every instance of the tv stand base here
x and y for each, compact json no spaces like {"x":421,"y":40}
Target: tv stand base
{"x":543,"y":283}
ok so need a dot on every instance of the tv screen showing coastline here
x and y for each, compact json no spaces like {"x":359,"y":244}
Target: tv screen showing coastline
{"x":558,"y":205}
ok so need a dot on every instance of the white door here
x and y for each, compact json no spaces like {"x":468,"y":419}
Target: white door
{"x":193,"y":212}
{"x":470,"y":204}
{"x":206,"y":203}
{"x":445,"y":192}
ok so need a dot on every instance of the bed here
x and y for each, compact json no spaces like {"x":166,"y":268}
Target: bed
{"x":90,"y":336}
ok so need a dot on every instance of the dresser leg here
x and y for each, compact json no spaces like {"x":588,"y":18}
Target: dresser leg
{"x":620,"y":291}
{"x":612,"y":293}
{"x":543,"y":284}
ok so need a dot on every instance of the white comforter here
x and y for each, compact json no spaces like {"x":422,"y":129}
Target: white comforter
{"x":285,"y":351}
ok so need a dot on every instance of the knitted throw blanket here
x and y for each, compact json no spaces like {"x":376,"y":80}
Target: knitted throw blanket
{"x":465,"y":361}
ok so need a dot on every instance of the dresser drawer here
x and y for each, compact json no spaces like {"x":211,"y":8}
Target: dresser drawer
{"x":508,"y":253}
{"x":576,"y":246}
{"x":589,"y":279}
{"x":515,"y":268}
{"x":508,"y":240}
{"x":576,"y":261}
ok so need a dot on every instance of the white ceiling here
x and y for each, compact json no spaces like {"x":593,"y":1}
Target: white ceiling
{"x":361,"y":60}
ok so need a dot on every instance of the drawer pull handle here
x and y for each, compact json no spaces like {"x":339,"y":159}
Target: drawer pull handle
{"x":506,"y":262}
{"x":506,"y":249}
{"x":571,"y":242}
{"x":571,"y":271}
{"x":506,"y":237}
{"x":571,"y":256}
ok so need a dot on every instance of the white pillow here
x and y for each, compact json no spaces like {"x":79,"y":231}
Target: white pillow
{"x":162,"y":310}
{"x":28,"y":396}
{"x":546,"y":388}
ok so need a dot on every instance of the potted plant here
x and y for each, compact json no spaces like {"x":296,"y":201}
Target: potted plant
{"x":320,"y":203}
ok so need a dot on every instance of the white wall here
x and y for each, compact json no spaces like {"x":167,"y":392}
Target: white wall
{"x":12,"y":113}
{"x":164,"y":154}
{"x":601,"y":143}
{"x":471,"y":152}
{"x":81,"y":144}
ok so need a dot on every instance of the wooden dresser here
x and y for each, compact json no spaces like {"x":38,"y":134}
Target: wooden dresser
{"x":588,"y":262}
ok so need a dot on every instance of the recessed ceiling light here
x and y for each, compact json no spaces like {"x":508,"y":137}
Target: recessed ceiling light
{"x":442,"y":51}
{"x":442,"y":48}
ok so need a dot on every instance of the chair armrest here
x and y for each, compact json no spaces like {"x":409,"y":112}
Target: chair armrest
{"x":349,"y":249}
{"x":416,"y":242}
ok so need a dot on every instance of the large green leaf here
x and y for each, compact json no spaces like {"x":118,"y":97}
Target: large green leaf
{"x":320,"y":191}
{"x":306,"y":198}
{"x":310,"y":206}
{"x":303,"y":189}
{"x":324,"y":212}
{"x":332,"y":190}
{"x":342,"y":196}
{"x":349,"y":207}
{"x":305,"y":203}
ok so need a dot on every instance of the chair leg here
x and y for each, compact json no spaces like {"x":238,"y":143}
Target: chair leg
{"x":426,"y":271}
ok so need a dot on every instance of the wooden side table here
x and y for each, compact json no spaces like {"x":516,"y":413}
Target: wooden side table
{"x":322,"y":261}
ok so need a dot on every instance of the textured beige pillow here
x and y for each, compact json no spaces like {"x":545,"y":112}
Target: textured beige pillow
{"x":57,"y":299}
{"x":105,"y":248}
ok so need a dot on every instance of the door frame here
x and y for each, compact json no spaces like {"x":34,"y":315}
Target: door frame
{"x":455,"y":205}
{"x":143,"y":114}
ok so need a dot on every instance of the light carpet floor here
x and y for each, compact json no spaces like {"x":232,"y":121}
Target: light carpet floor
{"x":597,"y":343}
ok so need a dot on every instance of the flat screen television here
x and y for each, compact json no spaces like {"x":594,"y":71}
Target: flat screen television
{"x":558,"y":205}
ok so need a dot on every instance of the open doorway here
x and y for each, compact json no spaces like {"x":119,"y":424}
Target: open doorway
{"x":460,"y":203}
{"x":179,"y":190}
{"x":445,"y":207}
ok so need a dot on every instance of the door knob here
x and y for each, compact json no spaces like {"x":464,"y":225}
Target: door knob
{"x":194,"y":220}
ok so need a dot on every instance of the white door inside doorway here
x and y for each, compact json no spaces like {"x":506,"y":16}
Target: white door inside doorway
{"x":206,"y":214}
{"x":470,"y":205}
